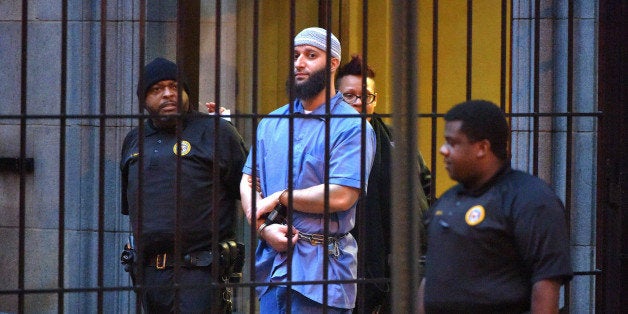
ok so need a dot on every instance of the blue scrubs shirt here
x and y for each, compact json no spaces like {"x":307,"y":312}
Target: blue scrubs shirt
{"x":309,"y":170}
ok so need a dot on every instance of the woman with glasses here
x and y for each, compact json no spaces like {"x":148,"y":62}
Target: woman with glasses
{"x":374,"y":223}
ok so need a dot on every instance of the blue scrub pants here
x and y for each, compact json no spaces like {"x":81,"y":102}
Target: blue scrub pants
{"x":275,"y":299}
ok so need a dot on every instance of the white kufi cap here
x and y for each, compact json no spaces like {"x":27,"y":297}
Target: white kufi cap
{"x":317,"y":37}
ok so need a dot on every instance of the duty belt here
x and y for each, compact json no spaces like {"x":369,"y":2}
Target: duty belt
{"x":194,"y":259}
{"x":316,"y":239}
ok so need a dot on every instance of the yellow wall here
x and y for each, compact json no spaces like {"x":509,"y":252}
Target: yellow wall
{"x":347,"y":19}
{"x":452,"y":64}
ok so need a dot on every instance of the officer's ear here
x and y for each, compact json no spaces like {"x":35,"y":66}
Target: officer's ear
{"x":483,"y":148}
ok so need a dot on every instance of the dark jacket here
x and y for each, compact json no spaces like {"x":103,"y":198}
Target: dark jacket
{"x":373,"y":220}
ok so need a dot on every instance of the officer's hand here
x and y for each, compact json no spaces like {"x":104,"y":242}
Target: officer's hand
{"x":211,"y":107}
{"x":276,"y":235}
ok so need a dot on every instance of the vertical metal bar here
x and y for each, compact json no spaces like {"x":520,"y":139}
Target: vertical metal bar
{"x":175,"y":285}
{"x":503,"y":55}
{"x":101,"y":152}
{"x":326,"y":213}
{"x":217,"y":49}
{"x":188,"y":17}
{"x":215,"y":166}
{"x":324,"y":14}
{"x":62,"y":142}
{"x":23,"y":106}
{"x":188,"y":46}
{"x":365,"y":24}
{"x":508,"y":59}
{"x":361,"y":215}
{"x":406,"y":237}
{"x":537,"y":77}
{"x":255,"y":120}
{"x":139,"y":275}
{"x":612,"y":199}
{"x":434,"y":119}
{"x":180,"y":61}
{"x":469,"y":48}
{"x":569,"y":148}
{"x":290,"y":149}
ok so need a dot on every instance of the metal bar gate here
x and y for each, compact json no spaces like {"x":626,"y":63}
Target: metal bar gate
{"x":76,"y":66}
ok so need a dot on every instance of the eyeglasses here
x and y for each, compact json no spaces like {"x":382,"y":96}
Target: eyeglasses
{"x":352,"y":98}
{"x":158,"y":89}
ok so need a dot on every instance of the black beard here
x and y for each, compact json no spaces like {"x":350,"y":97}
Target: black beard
{"x":315,"y":84}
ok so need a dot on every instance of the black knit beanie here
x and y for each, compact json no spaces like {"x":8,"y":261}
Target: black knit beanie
{"x":159,"y":69}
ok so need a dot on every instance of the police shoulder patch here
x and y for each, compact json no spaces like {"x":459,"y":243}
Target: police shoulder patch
{"x":474,"y":215}
{"x":186,"y":147}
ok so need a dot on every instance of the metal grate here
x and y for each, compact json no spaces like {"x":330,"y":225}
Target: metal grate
{"x":87,"y":219}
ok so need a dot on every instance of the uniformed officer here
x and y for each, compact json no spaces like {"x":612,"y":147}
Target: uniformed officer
{"x":498,"y":241}
{"x":173,"y":177}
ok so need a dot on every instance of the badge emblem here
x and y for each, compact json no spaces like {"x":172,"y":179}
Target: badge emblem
{"x":186,"y":147}
{"x":474,"y":215}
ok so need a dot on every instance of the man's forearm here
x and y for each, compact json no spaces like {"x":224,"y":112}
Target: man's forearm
{"x":246,"y":196}
{"x":312,"y":200}
{"x":545,"y":296}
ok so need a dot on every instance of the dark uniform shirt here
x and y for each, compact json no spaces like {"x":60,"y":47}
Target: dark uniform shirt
{"x":486,"y":248}
{"x":199,"y":153}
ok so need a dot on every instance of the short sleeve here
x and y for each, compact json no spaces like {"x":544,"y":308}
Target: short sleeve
{"x":541,"y":233}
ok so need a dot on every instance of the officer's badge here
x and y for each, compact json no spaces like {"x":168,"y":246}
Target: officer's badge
{"x":186,"y":147}
{"x":474,"y":215}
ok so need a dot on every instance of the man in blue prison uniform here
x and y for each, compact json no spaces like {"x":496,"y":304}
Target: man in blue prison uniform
{"x":349,"y":165}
